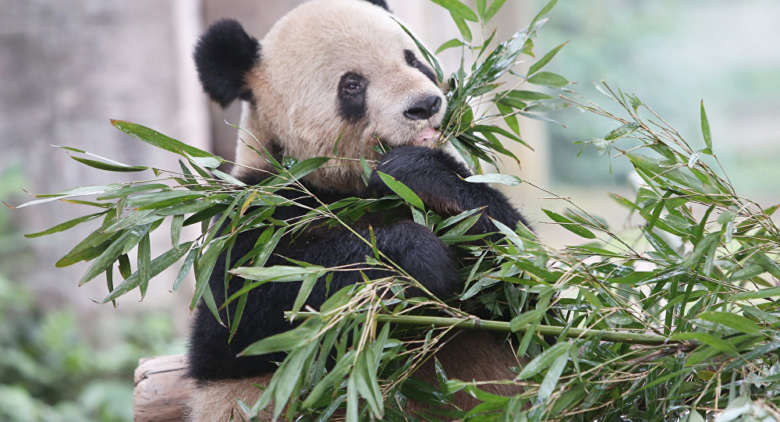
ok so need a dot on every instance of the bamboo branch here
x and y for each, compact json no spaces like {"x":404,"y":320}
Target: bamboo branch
{"x":503,"y":326}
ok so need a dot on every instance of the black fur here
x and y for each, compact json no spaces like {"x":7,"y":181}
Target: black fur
{"x":406,"y":243}
{"x":223,"y":56}
{"x":433,"y":174}
{"x":352,"y":96}
{"x":380,"y":3}
{"x":412,"y":61}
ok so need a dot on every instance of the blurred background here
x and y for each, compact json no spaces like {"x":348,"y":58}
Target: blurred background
{"x":66,"y":67}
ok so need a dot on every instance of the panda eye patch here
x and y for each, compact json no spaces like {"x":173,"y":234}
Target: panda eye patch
{"x":412,"y":61}
{"x":352,"y":96}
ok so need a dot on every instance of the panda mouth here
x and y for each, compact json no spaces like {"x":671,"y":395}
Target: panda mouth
{"x":427,"y":137}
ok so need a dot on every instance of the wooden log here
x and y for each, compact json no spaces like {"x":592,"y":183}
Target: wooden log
{"x":162,"y":389}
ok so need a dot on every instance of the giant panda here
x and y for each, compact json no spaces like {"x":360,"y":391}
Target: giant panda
{"x":335,"y":74}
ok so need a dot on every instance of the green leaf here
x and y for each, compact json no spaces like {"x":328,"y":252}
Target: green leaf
{"x":286,"y":341}
{"x":280,"y":273}
{"x":102,"y":165}
{"x":144,"y":264}
{"x":65,"y":226}
{"x":460,"y":229}
{"x":551,"y":378}
{"x":159,"y":140}
{"x":705,"y":130}
{"x":542,"y":13}
{"x":81,"y":191}
{"x":731,"y":320}
{"x":509,"y":117}
{"x":550,"y":79}
{"x":402,"y":190}
{"x":309,"y":280}
{"x":622,"y":131}
{"x":125,"y":191}
{"x":711,"y":340}
{"x":463,"y":28}
{"x":546,"y":59}
{"x":366,"y":381}
{"x":121,"y":245}
{"x":176,"y":225}
{"x":450,"y":44}
{"x":502,"y":179}
{"x":528,"y":95}
{"x":544,"y":360}
{"x":493,"y":9}
{"x":481,"y":7}
{"x":522,"y":321}
{"x":758,"y":294}
{"x":331,"y":380}
{"x":157,"y":266}
{"x":299,"y":170}
{"x":570,"y":225}
{"x":124,"y":266}
{"x":185,"y":268}
{"x":458,"y":9}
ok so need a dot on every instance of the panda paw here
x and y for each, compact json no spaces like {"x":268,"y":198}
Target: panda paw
{"x":432,"y":174}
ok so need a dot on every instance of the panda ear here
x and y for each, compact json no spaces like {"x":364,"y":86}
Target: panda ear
{"x":380,"y":3}
{"x":223,"y":57}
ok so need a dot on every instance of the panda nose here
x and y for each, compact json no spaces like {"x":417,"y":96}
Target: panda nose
{"x":424,"y":108}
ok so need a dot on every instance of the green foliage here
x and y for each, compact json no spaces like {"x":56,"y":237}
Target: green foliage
{"x":674,"y":319}
{"x":51,"y":372}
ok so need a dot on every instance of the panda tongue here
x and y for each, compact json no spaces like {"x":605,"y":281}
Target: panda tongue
{"x":426,"y":136}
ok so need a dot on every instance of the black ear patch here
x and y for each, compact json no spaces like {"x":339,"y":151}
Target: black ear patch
{"x":380,"y":3}
{"x":223,"y":56}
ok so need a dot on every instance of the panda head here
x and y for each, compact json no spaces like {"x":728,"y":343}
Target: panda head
{"x":331,"y":78}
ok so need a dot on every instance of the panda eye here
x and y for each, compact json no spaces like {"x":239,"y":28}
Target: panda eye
{"x":352,"y":84}
{"x":352,"y":87}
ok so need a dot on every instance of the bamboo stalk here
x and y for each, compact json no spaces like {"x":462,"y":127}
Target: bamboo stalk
{"x":480,"y":324}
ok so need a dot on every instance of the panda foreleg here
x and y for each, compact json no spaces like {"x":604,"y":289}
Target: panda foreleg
{"x":413,"y":247}
{"x":438,"y":179}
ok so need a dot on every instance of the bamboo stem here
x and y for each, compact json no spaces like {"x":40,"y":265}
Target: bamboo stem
{"x":480,"y":324}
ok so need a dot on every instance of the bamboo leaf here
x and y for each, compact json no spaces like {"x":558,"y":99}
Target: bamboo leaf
{"x":542,"y":13}
{"x":286,"y":341}
{"x":551,"y":378}
{"x":280,"y":273}
{"x":65,"y":226}
{"x":144,"y":264}
{"x":502,"y":179}
{"x":758,"y":294}
{"x":550,"y":79}
{"x":458,"y":9}
{"x":731,"y":320}
{"x":157,"y":266}
{"x":544,"y":360}
{"x":121,"y":245}
{"x":546,"y":59}
{"x":705,"y":130}
{"x":81,"y":191}
{"x":159,"y":140}
{"x":570,"y":225}
{"x":493,"y":9}
{"x":309,"y":280}
{"x":402,"y":191}
{"x":102,"y":165}
{"x":711,"y":340}
{"x":450,"y":44}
